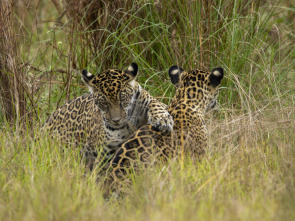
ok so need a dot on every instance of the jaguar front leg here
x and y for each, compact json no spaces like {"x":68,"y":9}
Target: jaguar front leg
{"x":159,"y":117}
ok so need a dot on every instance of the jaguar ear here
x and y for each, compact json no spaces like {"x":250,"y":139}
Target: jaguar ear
{"x":216,"y":76}
{"x":87,"y":76}
{"x":89,"y":80}
{"x":132,"y":69}
{"x":174,"y":74}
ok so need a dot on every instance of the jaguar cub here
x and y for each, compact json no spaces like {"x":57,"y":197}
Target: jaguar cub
{"x":116,"y":107}
{"x":196,"y":93}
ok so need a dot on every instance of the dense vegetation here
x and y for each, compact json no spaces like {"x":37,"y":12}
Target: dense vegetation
{"x":248,"y":172}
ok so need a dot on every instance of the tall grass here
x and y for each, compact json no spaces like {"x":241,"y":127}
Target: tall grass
{"x":248,"y":170}
{"x":12,"y":86}
{"x":238,"y":179}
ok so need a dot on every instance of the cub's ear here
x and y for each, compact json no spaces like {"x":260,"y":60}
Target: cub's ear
{"x":87,"y":76}
{"x":132,"y":69}
{"x":174,"y":73}
{"x":216,"y":76}
{"x":89,"y":80}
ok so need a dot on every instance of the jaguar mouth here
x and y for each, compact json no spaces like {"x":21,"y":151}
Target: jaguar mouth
{"x":114,"y":127}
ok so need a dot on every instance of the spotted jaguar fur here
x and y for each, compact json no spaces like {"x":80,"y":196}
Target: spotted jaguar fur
{"x":116,"y":107}
{"x":196,"y":93}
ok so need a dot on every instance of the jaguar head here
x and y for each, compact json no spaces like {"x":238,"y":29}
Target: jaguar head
{"x":113,"y":92}
{"x":197,"y":88}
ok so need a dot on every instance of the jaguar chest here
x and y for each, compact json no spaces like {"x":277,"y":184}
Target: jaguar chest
{"x":116,"y":136}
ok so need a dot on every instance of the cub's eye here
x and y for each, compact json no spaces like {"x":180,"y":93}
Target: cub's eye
{"x":122,"y":96}
{"x":125,"y":99}
{"x":101,"y":102}
{"x":102,"y":99}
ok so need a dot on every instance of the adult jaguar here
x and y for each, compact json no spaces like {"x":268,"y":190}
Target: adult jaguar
{"x":116,"y":107}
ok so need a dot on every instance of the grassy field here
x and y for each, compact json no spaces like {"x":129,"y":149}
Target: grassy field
{"x":248,"y":171}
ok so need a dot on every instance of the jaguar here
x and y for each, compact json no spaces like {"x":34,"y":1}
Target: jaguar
{"x":103,"y":119}
{"x":196,"y":93}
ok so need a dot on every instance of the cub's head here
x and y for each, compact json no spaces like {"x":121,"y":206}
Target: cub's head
{"x":196,"y":88}
{"x":113,"y":91}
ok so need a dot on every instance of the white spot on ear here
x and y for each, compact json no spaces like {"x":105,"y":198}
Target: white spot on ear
{"x":174,"y":72}
{"x":89,"y":74}
{"x":216,"y":73}
{"x":132,"y":83}
{"x":131,"y":69}
{"x":90,"y":89}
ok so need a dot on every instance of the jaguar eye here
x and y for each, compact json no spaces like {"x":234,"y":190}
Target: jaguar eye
{"x":122,"y":97}
{"x":101,"y":102}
